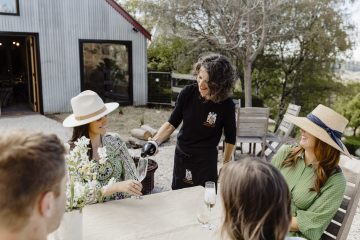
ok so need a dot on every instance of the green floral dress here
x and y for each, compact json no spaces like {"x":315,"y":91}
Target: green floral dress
{"x":119,"y":164}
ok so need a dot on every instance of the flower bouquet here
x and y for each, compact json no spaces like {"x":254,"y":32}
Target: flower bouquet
{"x":82,"y":186}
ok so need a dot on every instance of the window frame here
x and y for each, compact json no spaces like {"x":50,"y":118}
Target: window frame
{"x":128,"y":45}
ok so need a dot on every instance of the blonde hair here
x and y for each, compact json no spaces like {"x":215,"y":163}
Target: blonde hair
{"x":256,"y":201}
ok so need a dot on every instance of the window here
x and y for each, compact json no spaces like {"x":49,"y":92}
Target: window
{"x":106,"y":69}
{"x":9,"y":7}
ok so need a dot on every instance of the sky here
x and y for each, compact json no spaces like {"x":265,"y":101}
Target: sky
{"x":355,"y":17}
{"x":7,"y":5}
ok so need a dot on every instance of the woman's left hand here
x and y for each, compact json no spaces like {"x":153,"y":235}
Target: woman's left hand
{"x":132,"y":187}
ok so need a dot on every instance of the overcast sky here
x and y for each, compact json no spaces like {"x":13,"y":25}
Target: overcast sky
{"x":355,"y":11}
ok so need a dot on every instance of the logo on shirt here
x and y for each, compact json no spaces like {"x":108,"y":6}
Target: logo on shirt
{"x":211,"y":119}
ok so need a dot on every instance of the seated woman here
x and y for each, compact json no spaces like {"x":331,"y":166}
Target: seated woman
{"x":312,"y":171}
{"x":256,"y":201}
{"x":89,"y":119}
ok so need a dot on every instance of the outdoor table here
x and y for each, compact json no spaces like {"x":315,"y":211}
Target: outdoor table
{"x":168,"y":215}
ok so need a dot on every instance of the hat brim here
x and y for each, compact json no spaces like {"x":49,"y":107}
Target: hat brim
{"x":310,"y":127}
{"x":71,"y":121}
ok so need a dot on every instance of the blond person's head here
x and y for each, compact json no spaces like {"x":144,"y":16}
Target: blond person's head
{"x":32,"y":180}
{"x":256,"y":201}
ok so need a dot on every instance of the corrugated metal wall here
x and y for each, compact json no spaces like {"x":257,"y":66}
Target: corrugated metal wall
{"x":60,"y":24}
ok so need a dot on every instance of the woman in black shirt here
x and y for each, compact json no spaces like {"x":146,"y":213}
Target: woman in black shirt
{"x":206,"y":111}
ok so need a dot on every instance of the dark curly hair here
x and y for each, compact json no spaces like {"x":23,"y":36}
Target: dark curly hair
{"x":221,"y":73}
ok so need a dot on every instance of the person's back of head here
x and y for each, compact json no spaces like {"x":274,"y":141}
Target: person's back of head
{"x":256,"y":201}
{"x":32,"y":184}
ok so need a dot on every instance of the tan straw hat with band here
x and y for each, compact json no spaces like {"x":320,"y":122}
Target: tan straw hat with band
{"x":324,"y":124}
{"x":88,"y":107}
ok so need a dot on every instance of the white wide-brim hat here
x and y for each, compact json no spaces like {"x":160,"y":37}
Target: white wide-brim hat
{"x":324,"y":124}
{"x":88,"y":107}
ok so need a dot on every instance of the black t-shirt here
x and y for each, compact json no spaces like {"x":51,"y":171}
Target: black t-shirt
{"x":203,"y":121}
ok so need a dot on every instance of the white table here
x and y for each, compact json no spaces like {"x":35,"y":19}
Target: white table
{"x":168,"y":215}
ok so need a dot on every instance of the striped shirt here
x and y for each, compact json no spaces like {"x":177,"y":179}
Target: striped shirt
{"x":313,"y":212}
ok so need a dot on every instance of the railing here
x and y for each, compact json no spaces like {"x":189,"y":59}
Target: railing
{"x":178,"y":82}
{"x":164,"y":87}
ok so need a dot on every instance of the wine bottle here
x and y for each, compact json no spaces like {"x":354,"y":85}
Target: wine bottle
{"x":149,"y":149}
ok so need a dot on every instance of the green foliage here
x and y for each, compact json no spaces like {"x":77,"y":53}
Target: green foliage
{"x":256,"y":101}
{"x":296,"y":65}
{"x":352,"y":143}
{"x":142,"y":119}
{"x":168,"y":54}
{"x":298,"y":68}
{"x":351,"y":110}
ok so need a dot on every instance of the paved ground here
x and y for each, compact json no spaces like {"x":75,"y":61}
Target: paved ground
{"x":164,"y":158}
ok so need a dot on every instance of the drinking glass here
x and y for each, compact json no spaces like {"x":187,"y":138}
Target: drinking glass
{"x":210,"y":200}
{"x":141,"y":170}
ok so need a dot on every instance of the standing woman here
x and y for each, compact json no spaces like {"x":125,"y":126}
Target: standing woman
{"x":312,"y":171}
{"x":89,"y":119}
{"x":206,"y":111}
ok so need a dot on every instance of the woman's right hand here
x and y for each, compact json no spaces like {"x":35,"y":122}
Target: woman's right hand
{"x":132,"y":187}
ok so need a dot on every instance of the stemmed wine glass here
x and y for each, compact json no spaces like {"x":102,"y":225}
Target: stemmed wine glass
{"x":141,"y":170}
{"x":210,"y":200}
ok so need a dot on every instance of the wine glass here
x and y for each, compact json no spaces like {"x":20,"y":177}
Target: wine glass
{"x":141,"y":170}
{"x":210,"y":200}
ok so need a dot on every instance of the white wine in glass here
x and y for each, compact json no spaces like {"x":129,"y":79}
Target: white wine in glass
{"x":210,"y":200}
{"x":141,"y":170}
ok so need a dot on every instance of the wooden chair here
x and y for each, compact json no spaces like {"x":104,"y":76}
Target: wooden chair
{"x":251,"y":127}
{"x":275,"y":140}
{"x":340,"y":224}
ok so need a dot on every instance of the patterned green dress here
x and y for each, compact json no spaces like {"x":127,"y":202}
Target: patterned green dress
{"x":119,"y":164}
{"x":313,"y":211}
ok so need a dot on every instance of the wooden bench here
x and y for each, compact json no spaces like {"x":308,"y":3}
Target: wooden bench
{"x":340,"y":225}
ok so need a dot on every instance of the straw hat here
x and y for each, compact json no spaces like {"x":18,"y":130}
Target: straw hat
{"x":88,"y":107}
{"x":325,"y":124}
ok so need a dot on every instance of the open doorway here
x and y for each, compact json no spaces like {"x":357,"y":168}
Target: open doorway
{"x":19,"y":74}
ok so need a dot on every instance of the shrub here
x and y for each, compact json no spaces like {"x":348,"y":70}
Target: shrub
{"x":256,"y":101}
{"x":352,"y":143}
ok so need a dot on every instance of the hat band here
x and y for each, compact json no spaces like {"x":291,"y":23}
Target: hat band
{"x":334,"y":134}
{"x":84,"y":117}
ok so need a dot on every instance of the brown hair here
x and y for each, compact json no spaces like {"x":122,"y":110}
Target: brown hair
{"x":327,"y":162}
{"x":221,"y":75}
{"x":31,"y":164}
{"x":256,"y":201}
{"x":78,"y":132}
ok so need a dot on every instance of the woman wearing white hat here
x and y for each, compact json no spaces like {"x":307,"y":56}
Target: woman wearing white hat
{"x":89,"y":119}
{"x":311,"y":170}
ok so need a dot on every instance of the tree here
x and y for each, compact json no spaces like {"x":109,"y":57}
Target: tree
{"x":352,"y":112}
{"x":239,"y":28}
{"x":313,"y":34}
{"x":348,"y":104}
{"x":285,"y":50}
{"x":170,"y":54}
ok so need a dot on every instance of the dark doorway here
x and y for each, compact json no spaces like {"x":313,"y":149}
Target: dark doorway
{"x":19,"y":81}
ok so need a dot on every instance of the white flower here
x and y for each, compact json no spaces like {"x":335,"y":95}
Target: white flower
{"x":83,"y":187}
{"x":83,"y":141}
{"x":79,"y":190}
{"x":102,"y":155}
